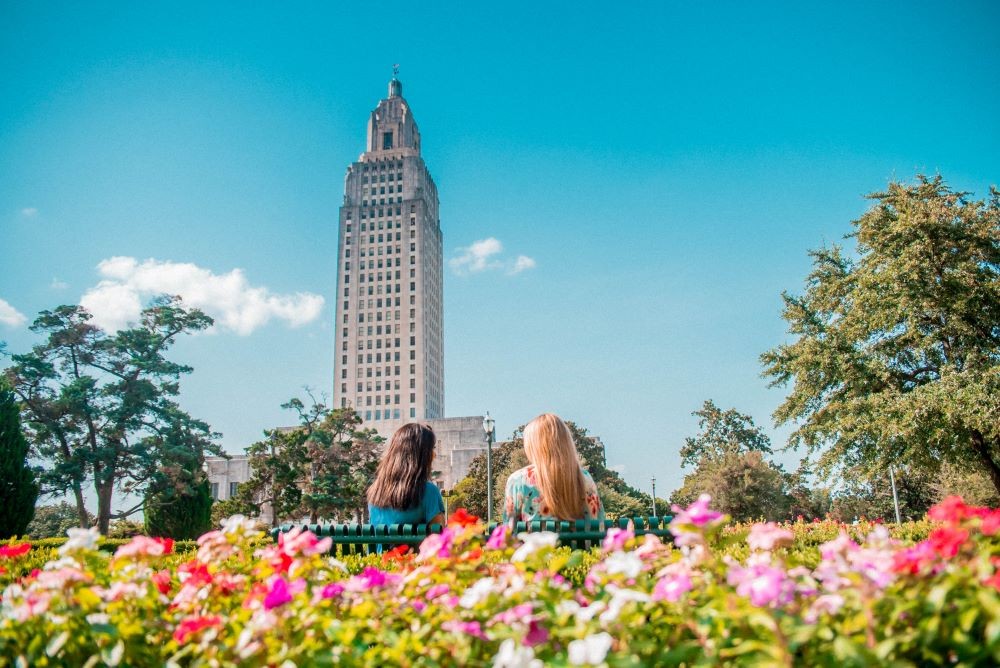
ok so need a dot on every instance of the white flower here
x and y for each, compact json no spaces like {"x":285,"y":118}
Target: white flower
{"x":80,"y":539}
{"x":619,"y":597}
{"x":628,"y":563}
{"x":590,"y":651}
{"x":238,"y":524}
{"x":477,"y":593}
{"x":511,"y":655}
{"x":533,"y":542}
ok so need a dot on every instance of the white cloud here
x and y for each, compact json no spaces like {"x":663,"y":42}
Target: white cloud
{"x":10,"y":316}
{"x":229,"y":298}
{"x":483,"y":255}
{"x":521,"y":263}
{"x":29,"y":212}
{"x":56,"y":284}
{"x":476,"y":258}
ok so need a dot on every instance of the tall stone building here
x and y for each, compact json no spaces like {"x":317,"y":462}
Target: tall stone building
{"x":389,"y":362}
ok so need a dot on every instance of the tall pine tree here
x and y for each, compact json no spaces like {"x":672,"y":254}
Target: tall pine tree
{"x":18,"y":488}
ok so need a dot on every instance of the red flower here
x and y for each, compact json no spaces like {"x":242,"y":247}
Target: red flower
{"x":991,"y":523}
{"x":162,"y":581}
{"x":954,"y":509}
{"x":197,"y":573}
{"x":12,"y":551}
{"x":396,"y":553}
{"x":913,"y":560}
{"x":193,"y":625}
{"x":167,"y":543}
{"x":474,"y":553}
{"x":947,"y":541}
{"x":462,"y":518}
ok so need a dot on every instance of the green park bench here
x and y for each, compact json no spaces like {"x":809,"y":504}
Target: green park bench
{"x":581,"y":534}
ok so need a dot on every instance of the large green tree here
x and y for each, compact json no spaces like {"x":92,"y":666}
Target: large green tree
{"x":53,"y":521}
{"x":895,"y":350}
{"x":727,"y":454}
{"x":94,"y":403}
{"x":18,"y":487}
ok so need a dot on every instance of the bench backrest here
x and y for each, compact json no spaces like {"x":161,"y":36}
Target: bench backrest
{"x":581,"y":534}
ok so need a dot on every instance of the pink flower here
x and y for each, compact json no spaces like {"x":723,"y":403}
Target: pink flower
{"x":768,"y":536}
{"x":332,"y":590}
{"x":468,"y":628}
{"x":519,"y":613}
{"x":672,"y":587}
{"x":947,"y":541}
{"x":698,"y":513}
{"x":616,"y":538}
{"x":370,"y":578}
{"x":282,"y":592}
{"x":954,"y":509}
{"x":991,"y":523}
{"x":765,"y":585}
{"x":437,"y":545}
{"x":536,"y":635}
{"x":305,"y":543}
{"x":193,"y":625}
{"x":144,"y":546}
{"x":827,"y":604}
{"x":419,"y":606}
{"x":498,"y":537}
{"x":35,"y":603}
{"x":437,"y":590}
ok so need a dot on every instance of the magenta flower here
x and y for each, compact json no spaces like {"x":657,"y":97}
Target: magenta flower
{"x":498,"y":537}
{"x":437,"y":545}
{"x":468,"y":628}
{"x":278,"y":595}
{"x":698,"y":513}
{"x":437,"y":590}
{"x":536,"y":635}
{"x":332,"y":590}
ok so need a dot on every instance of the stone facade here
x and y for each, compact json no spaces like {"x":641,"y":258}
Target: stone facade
{"x":389,"y":360}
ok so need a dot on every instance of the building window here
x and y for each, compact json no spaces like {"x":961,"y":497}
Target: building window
{"x":413,"y":412}
{"x":232,"y":489}
{"x":386,"y":141}
{"x":215,"y":491}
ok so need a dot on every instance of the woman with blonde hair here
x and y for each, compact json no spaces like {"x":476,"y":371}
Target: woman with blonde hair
{"x":554,"y":485}
{"x":403,"y":492}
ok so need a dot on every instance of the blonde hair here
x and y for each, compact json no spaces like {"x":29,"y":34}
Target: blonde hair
{"x":549,"y":446}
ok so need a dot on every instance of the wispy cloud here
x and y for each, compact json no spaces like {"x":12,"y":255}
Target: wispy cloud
{"x":56,"y":284}
{"x":29,"y":212}
{"x":10,"y":316}
{"x":485,"y":255}
{"x":522,"y":263}
{"x":229,"y":298}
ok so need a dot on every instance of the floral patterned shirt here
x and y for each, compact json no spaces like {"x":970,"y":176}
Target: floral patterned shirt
{"x":523,"y":500}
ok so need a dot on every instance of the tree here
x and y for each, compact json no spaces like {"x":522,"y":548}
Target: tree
{"x":277,"y":465}
{"x":178,"y":501}
{"x":743,"y":485}
{"x":728,"y":456}
{"x":53,"y":521}
{"x":94,"y":403}
{"x":18,"y":487}
{"x":866,"y":494}
{"x":341,"y":460}
{"x":896,"y":352}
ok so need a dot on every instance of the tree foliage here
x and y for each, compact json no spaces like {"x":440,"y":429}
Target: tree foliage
{"x":319,"y":469}
{"x":54,"y":520}
{"x":18,"y":488}
{"x":895,"y":356}
{"x":728,"y":456}
{"x":96,"y":405}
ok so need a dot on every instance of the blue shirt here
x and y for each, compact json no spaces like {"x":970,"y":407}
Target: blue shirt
{"x":430,"y":505}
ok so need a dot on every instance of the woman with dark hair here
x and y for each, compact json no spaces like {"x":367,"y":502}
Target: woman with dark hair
{"x":403,"y":492}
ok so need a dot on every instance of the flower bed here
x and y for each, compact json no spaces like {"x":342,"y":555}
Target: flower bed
{"x":722,"y":595}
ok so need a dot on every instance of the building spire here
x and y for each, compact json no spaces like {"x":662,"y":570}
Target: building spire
{"x":395,"y":85}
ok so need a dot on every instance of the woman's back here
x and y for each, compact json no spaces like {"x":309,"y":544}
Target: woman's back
{"x":430,"y":506}
{"x":523,"y":501}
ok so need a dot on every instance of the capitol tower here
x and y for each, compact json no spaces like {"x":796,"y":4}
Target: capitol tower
{"x":389,"y":361}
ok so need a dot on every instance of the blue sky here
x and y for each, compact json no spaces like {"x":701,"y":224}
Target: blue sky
{"x":666,"y":165}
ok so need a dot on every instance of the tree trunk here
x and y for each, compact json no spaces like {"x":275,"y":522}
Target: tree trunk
{"x":982,"y":449}
{"x":313,"y":517}
{"x":104,"y":494}
{"x":81,"y":507}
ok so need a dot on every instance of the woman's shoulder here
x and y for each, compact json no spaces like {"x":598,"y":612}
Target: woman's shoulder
{"x":524,"y":475}
{"x":431,"y":489}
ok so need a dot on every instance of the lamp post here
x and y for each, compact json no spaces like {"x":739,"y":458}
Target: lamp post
{"x":488,"y":428}
{"x":895,"y":499}
{"x":653,"y":480}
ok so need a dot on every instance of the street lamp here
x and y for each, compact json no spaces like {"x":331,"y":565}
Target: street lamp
{"x":653,"y":479}
{"x":488,"y":428}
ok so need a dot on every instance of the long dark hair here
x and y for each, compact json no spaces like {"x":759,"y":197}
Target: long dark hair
{"x":405,"y":468}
